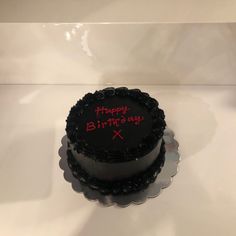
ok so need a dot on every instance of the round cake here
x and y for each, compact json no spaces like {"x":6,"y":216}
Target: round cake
{"x":115,"y":140}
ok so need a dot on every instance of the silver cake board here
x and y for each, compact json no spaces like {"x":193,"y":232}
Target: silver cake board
{"x":163,"y":180}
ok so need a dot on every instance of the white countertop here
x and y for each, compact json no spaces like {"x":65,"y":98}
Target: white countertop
{"x":36,"y":200}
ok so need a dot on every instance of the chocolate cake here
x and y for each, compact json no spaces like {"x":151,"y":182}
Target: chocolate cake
{"x":115,"y":142}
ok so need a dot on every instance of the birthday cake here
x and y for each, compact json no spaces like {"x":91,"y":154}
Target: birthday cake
{"x":115,"y":140}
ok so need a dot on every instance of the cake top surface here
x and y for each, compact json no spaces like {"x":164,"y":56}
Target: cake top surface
{"x":115,"y":124}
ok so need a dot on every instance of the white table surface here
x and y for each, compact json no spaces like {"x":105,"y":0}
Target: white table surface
{"x":36,"y":200}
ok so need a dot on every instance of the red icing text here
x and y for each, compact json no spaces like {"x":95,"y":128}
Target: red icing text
{"x":112,"y":111}
{"x":117,"y":133}
{"x":113,"y":122}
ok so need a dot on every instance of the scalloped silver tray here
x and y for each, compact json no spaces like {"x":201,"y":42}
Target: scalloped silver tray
{"x":163,"y":179}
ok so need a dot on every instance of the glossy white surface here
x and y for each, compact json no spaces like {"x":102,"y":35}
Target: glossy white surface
{"x":36,"y":200}
{"x":117,"y":53}
{"x":118,"y":11}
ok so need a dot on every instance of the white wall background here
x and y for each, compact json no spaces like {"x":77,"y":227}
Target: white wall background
{"x":118,"y":10}
{"x":37,"y":53}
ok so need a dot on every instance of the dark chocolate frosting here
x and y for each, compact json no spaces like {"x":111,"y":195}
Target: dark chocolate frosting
{"x":129,"y":185}
{"x":115,"y":125}
{"x":118,"y":170}
{"x":115,"y":140}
